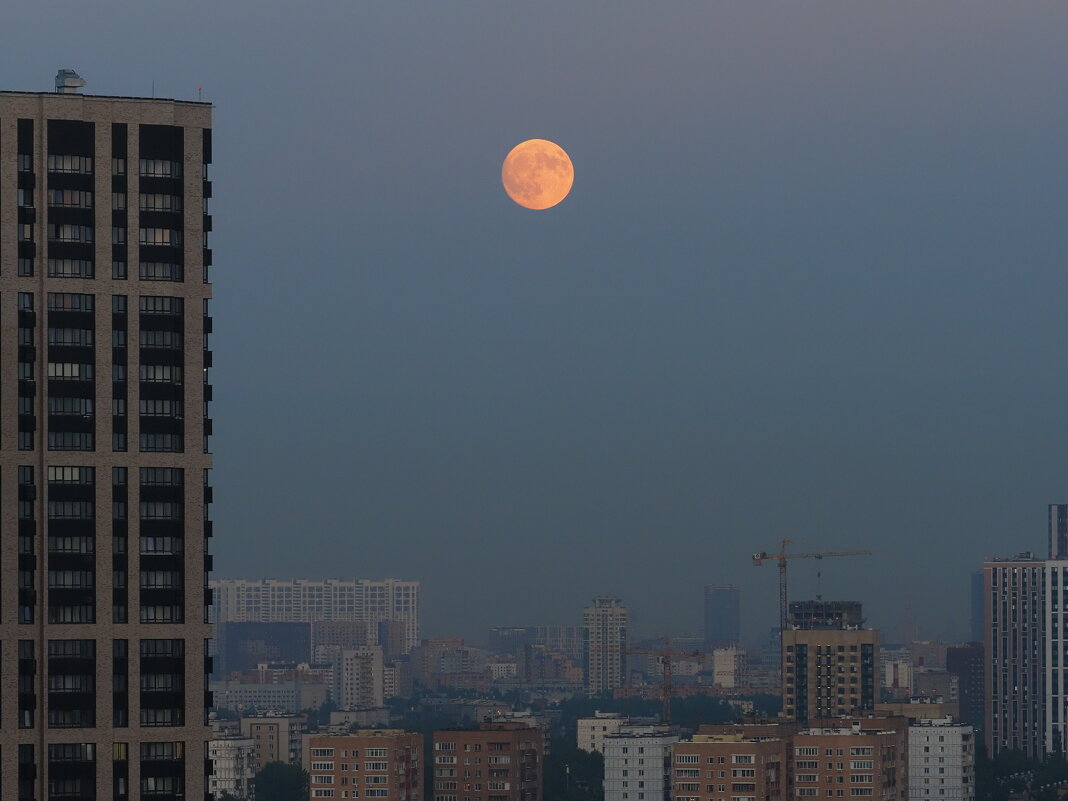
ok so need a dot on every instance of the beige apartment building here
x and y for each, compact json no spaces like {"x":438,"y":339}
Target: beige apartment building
{"x":721,"y":767}
{"x":371,"y":763}
{"x":104,"y":451}
{"x":496,"y":762}
{"x":606,"y":624}
{"x":829,"y":662}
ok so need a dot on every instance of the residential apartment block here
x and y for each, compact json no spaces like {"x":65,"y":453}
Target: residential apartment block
{"x":307,"y":601}
{"x":496,"y":762}
{"x":941,"y":761}
{"x":606,"y":625}
{"x":371,"y":763}
{"x":637,"y":763}
{"x":721,"y":767}
{"x":104,"y":452}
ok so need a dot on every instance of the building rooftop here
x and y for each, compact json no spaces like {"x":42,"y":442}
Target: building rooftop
{"x":111,"y":98}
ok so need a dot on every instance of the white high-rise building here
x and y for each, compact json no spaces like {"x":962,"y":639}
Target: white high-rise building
{"x":303,"y":600}
{"x":590,"y":732}
{"x":606,"y":644}
{"x":941,"y":761}
{"x":359,"y":678}
{"x":637,"y":763}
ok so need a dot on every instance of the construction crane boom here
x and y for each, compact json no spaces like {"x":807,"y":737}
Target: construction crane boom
{"x":666,"y":655}
{"x":782,"y":557}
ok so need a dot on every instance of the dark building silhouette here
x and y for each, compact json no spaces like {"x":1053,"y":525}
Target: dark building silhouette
{"x":825,"y":615}
{"x":1058,"y":531}
{"x":723,"y":615}
{"x":242,"y":646}
{"x":977,"y":624}
{"x":966,"y":663}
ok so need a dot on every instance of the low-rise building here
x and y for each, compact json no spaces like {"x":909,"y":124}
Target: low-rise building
{"x":851,"y":762}
{"x":233,"y":766}
{"x":713,"y":767}
{"x":371,"y":763}
{"x":496,"y":762}
{"x":637,"y":763}
{"x":941,"y":761}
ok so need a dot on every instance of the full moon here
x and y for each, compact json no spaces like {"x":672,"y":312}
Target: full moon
{"x":537,"y":174}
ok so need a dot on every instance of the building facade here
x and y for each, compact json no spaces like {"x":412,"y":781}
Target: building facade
{"x":496,"y":762}
{"x":605,"y":635}
{"x":1015,"y":679}
{"x":307,"y":601}
{"x":941,"y":761}
{"x":720,"y":767}
{"x":233,"y":767}
{"x":372,"y":763}
{"x":275,"y":738}
{"x":723,"y":615}
{"x":590,"y":732}
{"x":830,"y":665}
{"x":966,"y":662}
{"x":104,"y":456}
{"x":359,"y":678}
{"x":850,"y":762}
{"x":637,"y":763}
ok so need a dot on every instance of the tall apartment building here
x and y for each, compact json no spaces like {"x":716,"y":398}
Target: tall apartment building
{"x":637,"y":763}
{"x":104,"y":451}
{"x":830,"y":664}
{"x":941,"y":761}
{"x":307,"y":601}
{"x":496,"y":762}
{"x":371,"y":763}
{"x":1026,"y":674}
{"x":359,"y":678}
{"x":723,"y":621}
{"x":714,"y":767}
{"x":606,"y":644}
{"x":590,"y":732}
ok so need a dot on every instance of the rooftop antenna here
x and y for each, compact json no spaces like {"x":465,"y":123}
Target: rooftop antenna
{"x":68,"y":82}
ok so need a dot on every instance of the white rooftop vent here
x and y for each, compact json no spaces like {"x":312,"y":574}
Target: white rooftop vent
{"x":68,"y":82}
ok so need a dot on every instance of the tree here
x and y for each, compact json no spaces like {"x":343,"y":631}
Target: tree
{"x":278,"y":781}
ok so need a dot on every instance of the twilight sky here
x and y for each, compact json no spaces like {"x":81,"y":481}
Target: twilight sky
{"x":810,"y":282}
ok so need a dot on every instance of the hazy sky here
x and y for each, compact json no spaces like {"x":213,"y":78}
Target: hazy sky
{"x":810,"y":282}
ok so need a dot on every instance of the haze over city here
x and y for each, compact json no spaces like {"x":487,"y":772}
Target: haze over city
{"x":809,"y":283}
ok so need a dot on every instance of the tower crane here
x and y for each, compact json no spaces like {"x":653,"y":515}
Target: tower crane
{"x":665,"y":655}
{"x":782,"y":556}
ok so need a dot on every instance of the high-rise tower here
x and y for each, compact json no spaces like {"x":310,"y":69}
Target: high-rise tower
{"x":606,"y":644}
{"x":104,"y":454}
{"x":723,"y":622}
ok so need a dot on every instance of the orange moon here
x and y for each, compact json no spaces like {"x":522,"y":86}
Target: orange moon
{"x":537,"y":174}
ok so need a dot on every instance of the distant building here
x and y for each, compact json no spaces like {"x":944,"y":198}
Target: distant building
{"x":728,"y":667}
{"x":637,"y":763}
{"x":374,"y":763}
{"x":288,"y":697}
{"x":606,"y":625}
{"x":966,"y":663}
{"x":978,"y":603}
{"x":723,"y":620}
{"x":305,"y":601}
{"x":1058,"y":531}
{"x":243,"y":646}
{"x":275,"y":738}
{"x":941,"y":761}
{"x":712,"y":767}
{"x":359,"y":678}
{"x":233,"y":766}
{"x":829,"y":662}
{"x":496,"y":762}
